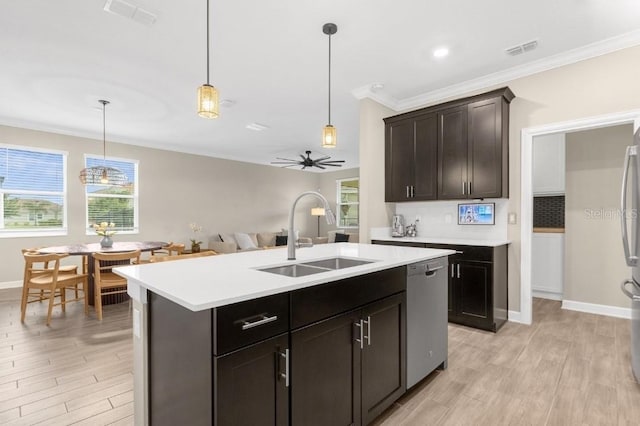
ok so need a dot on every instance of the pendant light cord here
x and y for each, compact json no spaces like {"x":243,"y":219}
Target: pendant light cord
{"x":207,"y":42}
{"x":104,"y":132}
{"x":329,"y":79}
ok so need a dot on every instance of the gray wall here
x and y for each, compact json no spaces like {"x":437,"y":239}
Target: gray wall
{"x":175,"y":190}
{"x":594,"y":262}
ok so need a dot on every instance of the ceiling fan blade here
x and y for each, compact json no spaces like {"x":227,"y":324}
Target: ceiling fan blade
{"x":287,"y":159}
{"x":332,"y":162}
{"x":303,"y":157}
{"x":285,"y":162}
{"x":319,"y":166}
{"x":326,"y":157}
{"x":304,"y":166}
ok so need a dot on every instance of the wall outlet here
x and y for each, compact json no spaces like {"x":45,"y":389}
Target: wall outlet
{"x":512,"y":218}
{"x":417,"y":218}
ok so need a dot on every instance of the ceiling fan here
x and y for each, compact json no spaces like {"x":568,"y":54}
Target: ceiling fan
{"x":307,"y":161}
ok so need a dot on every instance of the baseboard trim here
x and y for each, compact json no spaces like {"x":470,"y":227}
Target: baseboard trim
{"x":10,"y":284}
{"x":593,"y":308}
{"x":542,"y":294}
{"x":515,"y":316}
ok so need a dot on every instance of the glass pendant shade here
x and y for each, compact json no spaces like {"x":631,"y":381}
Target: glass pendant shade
{"x":329,"y":137}
{"x":207,"y":101}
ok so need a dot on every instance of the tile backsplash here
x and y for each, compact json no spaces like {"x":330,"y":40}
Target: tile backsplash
{"x":548,"y":212}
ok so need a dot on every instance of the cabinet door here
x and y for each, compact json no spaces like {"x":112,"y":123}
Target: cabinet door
{"x":425,"y":182}
{"x":485,"y":150}
{"x":452,"y":154}
{"x":475,"y":292}
{"x":325,"y":372}
{"x":251,"y":387}
{"x":383,"y":355}
{"x":399,"y":156}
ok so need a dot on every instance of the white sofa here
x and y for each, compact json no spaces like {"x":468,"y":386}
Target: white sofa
{"x":239,"y":241}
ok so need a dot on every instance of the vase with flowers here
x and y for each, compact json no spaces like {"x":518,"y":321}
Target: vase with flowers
{"x":106,"y":230}
{"x":195,"y":244}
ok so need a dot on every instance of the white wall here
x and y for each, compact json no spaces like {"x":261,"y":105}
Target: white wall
{"x":440,"y":219}
{"x":175,"y":190}
{"x":589,"y":88}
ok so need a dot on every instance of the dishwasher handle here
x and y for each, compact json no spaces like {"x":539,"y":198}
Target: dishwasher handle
{"x":432,"y":272}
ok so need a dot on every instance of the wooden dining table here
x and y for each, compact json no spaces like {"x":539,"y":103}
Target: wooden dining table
{"x":89,"y":249}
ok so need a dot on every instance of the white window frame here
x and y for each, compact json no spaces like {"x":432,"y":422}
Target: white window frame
{"x":42,"y":232}
{"x":136,"y":165}
{"x":340,"y":203}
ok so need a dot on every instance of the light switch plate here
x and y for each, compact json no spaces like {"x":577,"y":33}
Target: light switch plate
{"x":512,"y":218}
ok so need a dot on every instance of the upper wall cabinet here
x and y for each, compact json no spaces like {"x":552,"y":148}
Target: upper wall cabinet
{"x":549,"y":164}
{"x":451,"y":151}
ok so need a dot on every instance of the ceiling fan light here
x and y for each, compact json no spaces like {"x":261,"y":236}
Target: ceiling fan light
{"x":329,"y":136}
{"x":207,"y":101}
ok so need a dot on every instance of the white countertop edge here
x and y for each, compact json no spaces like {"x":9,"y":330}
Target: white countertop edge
{"x":282,"y":283}
{"x":454,"y":241}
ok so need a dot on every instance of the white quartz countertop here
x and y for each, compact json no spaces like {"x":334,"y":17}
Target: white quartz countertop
{"x":209,"y":282}
{"x":455,"y":241}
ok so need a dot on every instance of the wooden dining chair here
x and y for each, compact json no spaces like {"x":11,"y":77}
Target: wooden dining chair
{"x":170,"y":249}
{"x":42,"y":274}
{"x":107,"y":282}
{"x":155,"y":259}
{"x":64,"y":269}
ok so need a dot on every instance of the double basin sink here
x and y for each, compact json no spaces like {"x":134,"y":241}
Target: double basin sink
{"x":315,"y":267}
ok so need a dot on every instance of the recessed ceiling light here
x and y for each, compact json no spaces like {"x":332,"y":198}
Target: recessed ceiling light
{"x":227,"y":103}
{"x":375,"y":87}
{"x":440,"y":52}
{"x":257,"y":127}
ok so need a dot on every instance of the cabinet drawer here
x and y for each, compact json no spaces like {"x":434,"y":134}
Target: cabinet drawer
{"x":320,"y":302}
{"x":479,"y":253}
{"x":249,"y":322}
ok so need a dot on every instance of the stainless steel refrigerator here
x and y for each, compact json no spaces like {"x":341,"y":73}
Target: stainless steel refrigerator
{"x":630,"y":240}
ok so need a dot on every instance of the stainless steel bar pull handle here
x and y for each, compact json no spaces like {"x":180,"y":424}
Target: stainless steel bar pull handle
{"x":285,"y":375}
{"x":265,"y":319}
{"x":464,"y":187}
{"x":407,"y":191}
{"x":452,"y":269}
{"x":412,"y":191}
{"x":632,"y":260}
{"x":458,"y":270}
{"x":361,"y":332}
{"x":368,"y":335}
{"x":633,"y":297}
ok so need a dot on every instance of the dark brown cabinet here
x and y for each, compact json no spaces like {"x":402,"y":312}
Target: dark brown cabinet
{"x":411,"y":159}
{"x":353,"y":363}
{"x":331,"y":354}
{"x":252,"y":385}
{"x":456,"y":150}
{"x":478,"y":286}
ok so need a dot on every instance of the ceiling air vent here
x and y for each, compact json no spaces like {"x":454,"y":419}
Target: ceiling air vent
{"x":522,"y":48}
{"x":131,"y":11}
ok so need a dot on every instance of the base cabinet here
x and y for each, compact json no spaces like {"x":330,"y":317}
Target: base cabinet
{"x":251,"y":385}
{"x":332,"y":354}
{"x":478,"y":283}
{"x":353,"y":363}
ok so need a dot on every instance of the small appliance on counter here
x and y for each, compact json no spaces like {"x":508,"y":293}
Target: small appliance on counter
{"x":397,"y":226}
{"x":411,"y":230}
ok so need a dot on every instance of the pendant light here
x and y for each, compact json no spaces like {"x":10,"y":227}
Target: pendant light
{"x":207,"y":94}
{"x":329,"y":136}
{"x":103,"y":175}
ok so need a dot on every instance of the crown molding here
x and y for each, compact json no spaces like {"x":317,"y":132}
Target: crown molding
{"x":589,"y":51}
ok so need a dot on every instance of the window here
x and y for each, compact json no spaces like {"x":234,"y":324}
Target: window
{"x":33,"y":196}
{"x":113,"y":204}
{"x":348,"y":203}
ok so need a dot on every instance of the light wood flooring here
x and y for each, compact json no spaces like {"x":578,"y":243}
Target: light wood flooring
{"x":569,"y":368}
{"x":76,"y":371}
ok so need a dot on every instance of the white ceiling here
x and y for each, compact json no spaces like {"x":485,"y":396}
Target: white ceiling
{"x":57,"y":58}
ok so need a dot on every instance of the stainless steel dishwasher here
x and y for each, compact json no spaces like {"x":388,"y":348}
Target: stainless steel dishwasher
{"x":427,"y":334}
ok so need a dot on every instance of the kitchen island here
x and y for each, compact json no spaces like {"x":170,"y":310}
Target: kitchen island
{"x":220,"y":340}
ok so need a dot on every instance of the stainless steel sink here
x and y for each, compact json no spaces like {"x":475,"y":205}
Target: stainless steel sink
{"x":337,"y":263}
{"x":295,"y":270}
